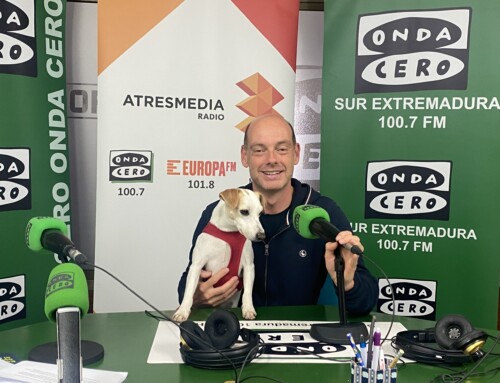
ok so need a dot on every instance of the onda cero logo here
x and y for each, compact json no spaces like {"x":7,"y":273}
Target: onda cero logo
{"x":12,"y":299}
{"x":408,"y":189}
{"x":413,"y":50}
{"x":15,"y":182}
{"x":130,"y":165}
{"x":17,"y":37}
{"x":414,"y":298}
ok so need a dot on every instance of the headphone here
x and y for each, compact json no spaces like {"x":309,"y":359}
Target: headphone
{"x":217,"y":347}
{"x":452,"y":341}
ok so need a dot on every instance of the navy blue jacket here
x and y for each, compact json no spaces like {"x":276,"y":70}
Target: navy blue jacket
{"x":289,"y":269}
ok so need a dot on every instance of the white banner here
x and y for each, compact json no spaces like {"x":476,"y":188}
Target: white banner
{"x":173,"y":96}
{"x":282,"y":339}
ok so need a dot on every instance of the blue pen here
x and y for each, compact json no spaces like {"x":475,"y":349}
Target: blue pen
{"x":362,"y":348}
{"x":357,"y":355}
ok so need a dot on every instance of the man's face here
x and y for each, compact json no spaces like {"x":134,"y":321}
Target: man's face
{"x":270,"y":154}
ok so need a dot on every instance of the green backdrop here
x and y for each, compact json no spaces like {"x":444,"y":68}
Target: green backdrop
{"x":34,"y":167}
{"x":410,"y":147}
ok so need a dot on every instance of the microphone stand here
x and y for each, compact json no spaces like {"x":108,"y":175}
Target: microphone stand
{"x":336,"y":333}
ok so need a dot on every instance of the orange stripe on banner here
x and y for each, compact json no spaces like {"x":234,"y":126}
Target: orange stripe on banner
{"x":278,"y":21}
{"x":121,"y":23}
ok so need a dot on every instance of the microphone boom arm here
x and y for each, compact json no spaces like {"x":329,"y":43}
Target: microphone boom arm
{"x":339,"y":271}
{"x":335,"y":333}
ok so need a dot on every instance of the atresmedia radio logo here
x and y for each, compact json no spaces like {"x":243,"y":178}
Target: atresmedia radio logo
{"x":413,"y":50}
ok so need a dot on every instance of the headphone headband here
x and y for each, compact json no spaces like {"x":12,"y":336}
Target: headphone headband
{"x":224,"y":359}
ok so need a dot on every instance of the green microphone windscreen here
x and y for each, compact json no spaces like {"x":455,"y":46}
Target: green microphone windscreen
{"x":303,"y":215}
{"x":66,"y":287}
{"x":35,"y":228}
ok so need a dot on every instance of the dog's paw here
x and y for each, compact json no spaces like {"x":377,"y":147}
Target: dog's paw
{"x":180,"y":316}
{"x":248,"y":313}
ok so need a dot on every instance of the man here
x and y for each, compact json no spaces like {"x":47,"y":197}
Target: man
{"x":289,"y":270}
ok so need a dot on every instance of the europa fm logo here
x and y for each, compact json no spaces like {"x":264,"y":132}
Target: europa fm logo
{"x":17,"y":37}
{"x":413,"y":298}
{"x":15,"y":182}
{"x":130,"y":165}
{"x":413,"y":50}
{"x":408,"y":189}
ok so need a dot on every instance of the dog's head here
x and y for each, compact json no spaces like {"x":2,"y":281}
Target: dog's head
{"x":244,"y":208}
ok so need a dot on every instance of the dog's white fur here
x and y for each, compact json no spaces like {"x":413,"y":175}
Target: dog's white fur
{"x":237,"y":210}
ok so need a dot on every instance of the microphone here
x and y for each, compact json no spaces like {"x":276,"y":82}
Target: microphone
{"x":66,"y":287}
{"x":51,"y":234}
{"x":313,"y":222}
{"x":66,"y":301}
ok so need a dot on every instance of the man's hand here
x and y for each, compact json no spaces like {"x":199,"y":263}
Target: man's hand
{"x":206,"y":295}
{"x":350,"y":259}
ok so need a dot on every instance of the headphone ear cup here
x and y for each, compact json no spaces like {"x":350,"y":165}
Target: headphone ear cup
{"x":471,"y":342}
{"x":193,"y":336}
{"x":223,"y":329}
{"x":451,"y":329}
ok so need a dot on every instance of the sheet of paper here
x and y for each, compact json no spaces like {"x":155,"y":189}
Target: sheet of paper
{"x":35,"y":372}
{"x":277,"y":334}
{"x":4,"y":364}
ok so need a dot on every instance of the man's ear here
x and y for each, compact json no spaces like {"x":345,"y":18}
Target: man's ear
{"x":297,"y":153}
{"x":243,"y":154}
{"x":262,"y":201}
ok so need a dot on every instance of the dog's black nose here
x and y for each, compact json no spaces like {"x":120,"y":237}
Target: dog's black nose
{"x":261,"y":236}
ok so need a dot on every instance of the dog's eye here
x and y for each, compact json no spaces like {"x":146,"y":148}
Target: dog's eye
{"x":244,"y":212}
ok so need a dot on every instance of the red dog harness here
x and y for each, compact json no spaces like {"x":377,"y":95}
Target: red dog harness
{"x":235,"y":240}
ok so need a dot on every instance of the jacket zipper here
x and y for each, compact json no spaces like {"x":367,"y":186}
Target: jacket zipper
{"x":266,"y":254}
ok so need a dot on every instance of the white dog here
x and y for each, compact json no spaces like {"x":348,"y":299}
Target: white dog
{"x":235,"y":220}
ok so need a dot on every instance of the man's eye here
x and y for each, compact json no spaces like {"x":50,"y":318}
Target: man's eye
{"x":244,"y":212}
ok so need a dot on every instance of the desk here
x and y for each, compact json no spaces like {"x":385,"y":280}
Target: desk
{"x":127,"y":339}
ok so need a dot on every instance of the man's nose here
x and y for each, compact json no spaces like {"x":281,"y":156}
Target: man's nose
{"x":271,"y":156}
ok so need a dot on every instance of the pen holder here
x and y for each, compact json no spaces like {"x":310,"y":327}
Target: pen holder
{"x":368,"y":375}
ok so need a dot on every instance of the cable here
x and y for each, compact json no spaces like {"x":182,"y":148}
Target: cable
{"x":262,"y":346}
{"x":393,"y":297}
{"x":254,"y":351}
{"x":460,"y":376}
{"x":165,"y":317}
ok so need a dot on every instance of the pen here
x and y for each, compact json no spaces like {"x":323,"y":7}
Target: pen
{"x":370,"y":342}
{"x":362,"y":349}
{"x":381,"y":359}
{"x":396,"y":358}
{"x":355,"y":349}
{"x":377,"y":337}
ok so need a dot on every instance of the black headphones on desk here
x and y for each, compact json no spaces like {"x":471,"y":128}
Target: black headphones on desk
{"x":452,"y":341}
{"x":217,"y":347}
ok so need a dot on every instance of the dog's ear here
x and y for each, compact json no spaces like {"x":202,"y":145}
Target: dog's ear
{"x":231,"y":197}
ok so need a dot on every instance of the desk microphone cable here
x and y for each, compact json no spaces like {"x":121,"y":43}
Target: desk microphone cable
{"x":167,"y":318}
{"x":256,"y":348}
